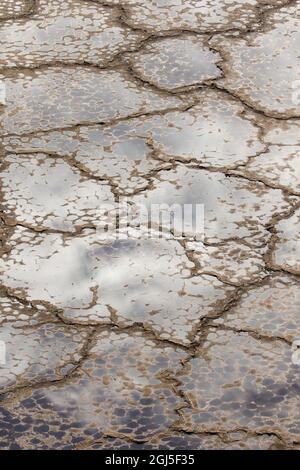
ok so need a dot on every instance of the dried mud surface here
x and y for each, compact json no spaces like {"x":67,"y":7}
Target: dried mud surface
{"x":141,"y":343}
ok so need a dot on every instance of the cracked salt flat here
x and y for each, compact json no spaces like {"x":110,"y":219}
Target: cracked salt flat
{"x":123,"y":282}
{"x":232,"y":262}
{"x":274,"y":305}
{"x":118,"y":154}
{"x":278,"y":167}
{"x":234,"y":208}
{"x":172,"y":343}
{"x":285,"y":132}
{"x":59,"y":97}
{"x":55,"y":345}
{"x":44,"y":192}
{"x":123,"y":388}
{"x":181,"y":441}
{"x":15,"y":8}
{"x":20,"y":313}
{"x":285,"y":252}
{"x":263,"y":67}
{"x":167,"y":62}
{"x":195,"y":15}
{"x":70,"y":32}
{"x":128,"y":153}
{"x":240,"y":381}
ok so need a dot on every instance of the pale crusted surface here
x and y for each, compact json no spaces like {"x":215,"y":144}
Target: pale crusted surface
{"x":56,"y":346}
{"x":15,"y":8}
{"x":240,"y":381}
{"x":71,"y":31}
{"x":234,"y":207}
{"x":195,"y":15}
{"x":154,"y":286}
{"x":123,"y":373}
{"x":232,"y":262}
{"x":270,"y":308}
{"x":53,"y":98}
{"x":285,"y":250}
{"x":188,"y":341}
{"x":278,"y":167}
{"x":167,"y":62}
{"x":270,"y":87}
{"x":49,"y":193}
{"x":178,"y":441}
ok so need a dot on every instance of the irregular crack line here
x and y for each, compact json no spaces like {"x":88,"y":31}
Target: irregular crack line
{"x":250,"y":106}
{"x":260,"y":20}
{"x":113,"y":65}
{"x":173,"y":161}
{"x":74,"y":163}
{"x":274,"y":239}
{"x":112,"y":435}
{"x":289,"y":192}
{"x":112,"y":325}
{"x":199,"y":271}
{"x":20,"y":296}
{"x":116,"y":62}
{"x":40,"y":230}
{"x":13,"y":392}
{"x":108,"y":123}
{"x":279,"y":269}
{"x":202,"y":328}
{"x":186,"y":106}
{"x":253,"y":333}
{"x":224,"y":434}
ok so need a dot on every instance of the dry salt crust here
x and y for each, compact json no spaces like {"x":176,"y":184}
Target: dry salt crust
{"x":234,"y":208}
{"x":173,"y":63}
{"x":263,"y":68}
{"x":285,"y":132}
{"x":15,"y":8}
{"x":274,"y":307}
{"x":49,"y":193}
{"x":212,"y":134}
{"x":154,"y":285}
{"x":241,"y":382}
{"x":278,"y":167}
{"x":231,"y":262}
{"x":285,"y":253}
{"x":196,"y":15}
{"x":122,"y":388}
{"x":55,"y":346}
{"x":148,"y":342}
{"x":118,"y":154}
{"x":21,"y":313}
{"x":71,"y":31}
{"x":56,"y":97}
